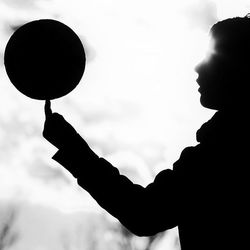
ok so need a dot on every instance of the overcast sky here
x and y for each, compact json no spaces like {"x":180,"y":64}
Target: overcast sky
{"x":137,"y":104}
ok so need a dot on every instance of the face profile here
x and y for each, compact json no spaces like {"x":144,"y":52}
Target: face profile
{"x":210,"y":78}
{"x":223,"y":75}
{"x":215,"y":77}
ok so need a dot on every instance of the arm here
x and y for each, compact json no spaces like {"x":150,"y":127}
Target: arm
{"x":144,"y":211}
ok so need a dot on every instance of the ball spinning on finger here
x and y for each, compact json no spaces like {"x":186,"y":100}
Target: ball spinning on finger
{"x":44,"y":59}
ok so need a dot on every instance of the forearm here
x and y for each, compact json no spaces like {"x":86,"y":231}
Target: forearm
{"x":112,"y":191}
{"x":142,"y":210}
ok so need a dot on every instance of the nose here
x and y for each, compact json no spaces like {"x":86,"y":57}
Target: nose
{"x":198,"y":69}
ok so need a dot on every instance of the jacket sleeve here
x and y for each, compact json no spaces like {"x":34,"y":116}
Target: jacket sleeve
{"x":144,"y":211}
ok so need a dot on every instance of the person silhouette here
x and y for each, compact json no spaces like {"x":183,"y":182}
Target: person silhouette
{"x":205,"y":194}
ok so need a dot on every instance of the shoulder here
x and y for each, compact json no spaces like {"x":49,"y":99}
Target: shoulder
{"x":189,"y":158}
{"x":190,"y":152}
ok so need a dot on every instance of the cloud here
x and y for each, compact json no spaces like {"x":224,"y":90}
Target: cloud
{"x":201,"y":14}
{"x":43,"y":227}
{"x":1,"y":59}
{"x":20,"y":4}
{"x":89,"y":50}
{"x":41,"y":171}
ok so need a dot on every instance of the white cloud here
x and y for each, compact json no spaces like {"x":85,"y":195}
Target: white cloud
{"x":137,"y":96}
{"x":201,"y":14}
{"x":21,"y":4}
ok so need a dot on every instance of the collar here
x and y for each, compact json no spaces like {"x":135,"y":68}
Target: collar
{"x":224,"y":126}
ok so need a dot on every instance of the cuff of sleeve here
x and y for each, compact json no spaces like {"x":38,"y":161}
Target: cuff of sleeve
{"x":58,"y":157}
{"x":77,"y":158}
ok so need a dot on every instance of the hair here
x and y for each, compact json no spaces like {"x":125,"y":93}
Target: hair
{"x":233,"y":38}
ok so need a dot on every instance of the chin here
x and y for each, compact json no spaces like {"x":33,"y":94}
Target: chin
{"x":210,"y":104}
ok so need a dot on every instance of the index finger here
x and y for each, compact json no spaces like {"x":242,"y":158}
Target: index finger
{"x":47,"y":109}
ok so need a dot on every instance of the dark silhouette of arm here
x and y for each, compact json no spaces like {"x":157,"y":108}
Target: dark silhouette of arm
{"x":144,"y":211}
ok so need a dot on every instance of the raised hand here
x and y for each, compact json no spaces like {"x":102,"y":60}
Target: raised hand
{"x":56,"y":129}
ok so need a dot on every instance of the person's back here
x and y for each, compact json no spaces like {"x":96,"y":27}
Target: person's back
{"x":221,"y":184}
{"x":218,"y":185}
{"x":214,"y":186}
{"x":205,"y":194}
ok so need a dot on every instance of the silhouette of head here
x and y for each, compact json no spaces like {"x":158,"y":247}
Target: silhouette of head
{"x":225,"y":75}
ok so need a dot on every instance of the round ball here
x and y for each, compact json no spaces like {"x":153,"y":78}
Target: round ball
{"x":44,"y":59}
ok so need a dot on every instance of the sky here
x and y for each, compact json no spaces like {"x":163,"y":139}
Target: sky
{"x":137,"y":104}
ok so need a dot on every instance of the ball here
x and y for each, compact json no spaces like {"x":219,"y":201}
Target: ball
{"x":44,"y":59}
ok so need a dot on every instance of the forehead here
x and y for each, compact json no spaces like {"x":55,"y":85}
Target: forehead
{"x":212,"y":44}
{"x":210,"y":49}
{"x":216,"y":54}
{"x":220,"y":47}
{"x":226,"y":43}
